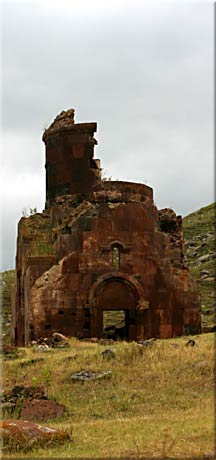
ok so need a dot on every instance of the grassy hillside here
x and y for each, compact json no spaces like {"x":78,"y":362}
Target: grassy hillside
{"x":7,"y":280}
{"x":159,"y":400}
{"x":200,"y":248}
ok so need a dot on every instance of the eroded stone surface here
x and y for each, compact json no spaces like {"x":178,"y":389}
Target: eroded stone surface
{"x":98,"y":245}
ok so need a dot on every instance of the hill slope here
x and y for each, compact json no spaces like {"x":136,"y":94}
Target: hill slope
{"x":7,"y":280}
{"x":200,"y":251}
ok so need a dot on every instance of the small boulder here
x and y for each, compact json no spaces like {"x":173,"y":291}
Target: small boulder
{"x":94,"y":340}
{"x":190,"y":343}
{"x":29,"y":362}
{"x":108,"y":354}
{"x":174,"y":345}
{"x":59,"y":340}
{"x":20,"y":392}
{"x":57,"y":337}
{"x":90,"y":375}
{"x":41,"y":409}
{"x":23,"y":434}
{"x":191,"y":243}
{"x":43,"y":347}
{"x":147,"y":343}
{"x":71,"y":358}
{"x":203,"y":258}
{"x":204,"y":273}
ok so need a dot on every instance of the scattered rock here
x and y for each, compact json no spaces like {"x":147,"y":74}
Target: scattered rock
{"x":106,"y":341}
{"x":90,"y":375}
{"x":57,"y":337}
{"x":39,"y":409}
{"x":21,"y":392}
{"x":56,"y":341}
{"x":2,"y":284}
{"x":8,"y":408}
{"x":190,"y":343}
{"x":71,"y":358}
{"x":208,"y":278}
{"x":204,"y":273}
{"x":174,"y":345}
{"x":209,"y":235}
{"x":191,"y":243}
{"x":147,"y":343}
{"x":43,"y":347}
{"x":23,"y":434}
{"x":29,"y":362}
{"x":94,"y":340}
{"x":11,"y":352}
{"x":202,"y":364}
{"x":203,"y":258}
{"x":108,"y":354}
{"x":209,"y":311}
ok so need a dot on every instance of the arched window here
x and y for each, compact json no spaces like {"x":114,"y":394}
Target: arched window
{"x":115,"y":257}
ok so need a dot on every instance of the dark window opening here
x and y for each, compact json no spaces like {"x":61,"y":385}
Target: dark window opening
{"x":115,"y":258}
{"x":87,"y":312}
{"x":60,"y":312}
{"x":115,"y":324}
{"x":48,"y":326}
{"x":167,"y":225}
{"x":86,"y":325}
{"x":132,"y":322}
{"x":66,"y":230}
{"x":32,"y":332}
{"x":77,"y":173}
{"x":73,"y":313}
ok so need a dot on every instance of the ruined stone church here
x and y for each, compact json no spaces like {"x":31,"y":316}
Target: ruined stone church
{"x":99,"y":246}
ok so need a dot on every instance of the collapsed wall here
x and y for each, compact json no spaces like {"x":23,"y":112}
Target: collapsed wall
{"x":98,"y":246}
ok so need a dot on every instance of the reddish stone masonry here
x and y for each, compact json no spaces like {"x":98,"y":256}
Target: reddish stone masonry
{"x":98,"y":245}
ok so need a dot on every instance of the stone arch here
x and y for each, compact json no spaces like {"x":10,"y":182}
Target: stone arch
{"x":117,"y":243}
{"x":117,"y":291}
{"x":122,"y":277}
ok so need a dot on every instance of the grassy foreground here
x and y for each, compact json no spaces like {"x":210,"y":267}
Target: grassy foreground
{"x":159,"y":401}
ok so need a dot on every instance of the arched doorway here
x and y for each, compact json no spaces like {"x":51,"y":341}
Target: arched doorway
{"x":116,"y":293}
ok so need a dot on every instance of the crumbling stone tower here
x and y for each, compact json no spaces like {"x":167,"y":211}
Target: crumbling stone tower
{"x":98,"y":246}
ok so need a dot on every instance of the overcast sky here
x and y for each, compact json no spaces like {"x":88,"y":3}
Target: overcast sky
{"x":142,"y":70}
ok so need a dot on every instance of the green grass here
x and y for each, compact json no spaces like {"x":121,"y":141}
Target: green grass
{"x":7,"y":281}
{"x":155,"y":396}
{"x":199,"y":235}
{"x":200,"y":221}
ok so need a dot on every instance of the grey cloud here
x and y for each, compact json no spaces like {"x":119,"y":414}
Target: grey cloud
{"x":144,"y":73}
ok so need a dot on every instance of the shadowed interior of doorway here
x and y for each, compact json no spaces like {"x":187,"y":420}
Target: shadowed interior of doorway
{"x":115,"y":324}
